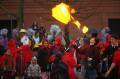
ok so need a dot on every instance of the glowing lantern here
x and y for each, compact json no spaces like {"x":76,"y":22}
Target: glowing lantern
{"x":85,"y":29}
{"x":61,"y":13}
{"x":77,"y":23}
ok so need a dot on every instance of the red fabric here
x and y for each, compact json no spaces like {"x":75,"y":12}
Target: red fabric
{"x":27,"y":53}
{"x":119,"y":41}
{"x":19,"y":49}
{"x":2,"y":58}
{"x":83,"y":56}
{"x":107,"y":44}
{"x":100,"y":44}
{"x":9,"y":59}
{"x":72,"y":42}
{"x":51,"y":58}
{"x":58,"y":41}
{"x":85,"y":46}
{"x":68,"y":58}
{"x":13,"y":49}
{"x":116,"y":60}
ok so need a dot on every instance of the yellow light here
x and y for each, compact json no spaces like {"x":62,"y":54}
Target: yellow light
{"x":77,"y":23}
{"x":85,"y":29}
{"x":61,"y":13}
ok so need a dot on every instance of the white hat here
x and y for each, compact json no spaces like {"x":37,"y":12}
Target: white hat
{"x":23,"y":30}
{"x":34,"y":58}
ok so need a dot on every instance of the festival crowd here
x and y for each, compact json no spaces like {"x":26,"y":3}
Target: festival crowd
{"x":33,"y":54}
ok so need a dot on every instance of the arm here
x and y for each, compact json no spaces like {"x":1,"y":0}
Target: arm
{"x":29,"y":71}
{"x":110,"y":69}
{"x":39,"y":71}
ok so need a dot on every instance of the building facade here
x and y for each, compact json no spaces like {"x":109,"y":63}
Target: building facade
{"x":95,"y":13}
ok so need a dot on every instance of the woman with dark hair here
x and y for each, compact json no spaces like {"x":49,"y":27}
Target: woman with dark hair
{"x":43,"y":55}
{"x":92,"y":59}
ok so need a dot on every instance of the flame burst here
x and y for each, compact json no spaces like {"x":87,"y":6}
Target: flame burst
{"x":63,"y":13}
{"x":77,"y":23}
{"x":85,"y":29}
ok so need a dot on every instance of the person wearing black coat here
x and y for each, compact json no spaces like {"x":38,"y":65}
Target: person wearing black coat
{"x":92,"y":59}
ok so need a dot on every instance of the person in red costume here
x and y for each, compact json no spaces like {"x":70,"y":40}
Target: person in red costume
{"x":56,"y":48}
{"x":12,"y":48}
{"x":70,"y":61}
{"x":27,"y":53}
{"x":8,"y":66}
{"x":20,"y":64}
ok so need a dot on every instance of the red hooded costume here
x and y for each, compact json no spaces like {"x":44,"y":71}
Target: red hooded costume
{"x":27,"y":53}
{"x":12,"y":48}
{"x":69,"y":59}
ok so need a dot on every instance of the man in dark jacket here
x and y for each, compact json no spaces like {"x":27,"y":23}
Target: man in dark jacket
{"x":109,"y":53}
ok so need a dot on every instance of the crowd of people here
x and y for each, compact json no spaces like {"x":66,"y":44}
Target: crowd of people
{"x":32,"y":54}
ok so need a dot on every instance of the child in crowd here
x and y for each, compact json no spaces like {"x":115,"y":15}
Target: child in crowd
{"x":34,"y":71}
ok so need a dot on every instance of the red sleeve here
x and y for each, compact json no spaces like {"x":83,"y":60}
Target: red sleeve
{"x":27,"y":53}
{"x":116,"y":58}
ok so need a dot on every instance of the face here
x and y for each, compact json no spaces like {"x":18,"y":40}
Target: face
{"x":45,"y":44}
{"x":92,"y":41}
{"x":37,"y":33}
{"x":23,"y":33}
{"x":34,"y":61}
{"x":113,"y":40}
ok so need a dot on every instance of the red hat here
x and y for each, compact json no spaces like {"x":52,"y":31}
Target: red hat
{"x":58,"y":40}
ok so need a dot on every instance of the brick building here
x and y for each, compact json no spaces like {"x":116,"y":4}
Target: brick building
{"x":95,"y":13}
